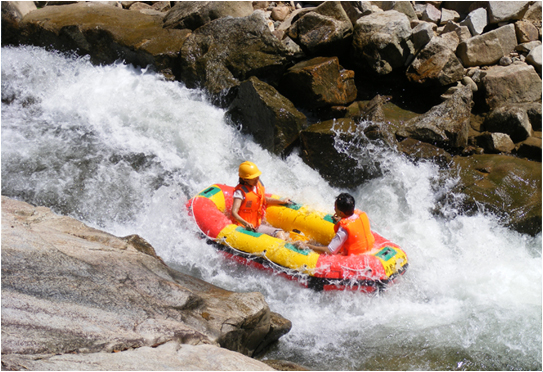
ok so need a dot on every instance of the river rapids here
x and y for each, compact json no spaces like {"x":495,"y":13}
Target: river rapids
{"x":122,"y":149}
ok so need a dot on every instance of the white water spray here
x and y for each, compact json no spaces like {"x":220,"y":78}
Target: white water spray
{"x":123,"y":150}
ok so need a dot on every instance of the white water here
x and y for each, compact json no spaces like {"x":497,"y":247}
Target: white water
{"x":123,"y":150}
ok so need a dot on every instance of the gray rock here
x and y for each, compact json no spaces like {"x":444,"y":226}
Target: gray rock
{"x":422,"y":34}
{"x":445,"y":125}
{"x":516,"y":83}
{"x":193,"y":14}
{"x":431,"y":14}
{"x":476,"y":21}
{"x":268,"y":116}
{"x":86,"y":291}
{"x":382,"y":41}
{"x":436,"y":64}
{"x":324,"y":31}
{"x":510,"y":119}
{"x":448,"y":15}
{"x":534,"y":58}
{"x":487,"y":49}
{"x":170,"y":356}
{"x":502,"y":11}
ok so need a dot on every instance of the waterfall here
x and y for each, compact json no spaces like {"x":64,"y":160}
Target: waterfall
{"x":122,"y":149}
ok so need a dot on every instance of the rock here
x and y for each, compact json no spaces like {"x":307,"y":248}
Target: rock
{"x":467,"y":81}
{"x":526,"y":32}
{"x":530,"y":149}
{"x":516,"y":83}
{"x":533,"y":15}
{"x":422,"y":34}
{"x":534,"y":58}
{"x":336,"y":149}
{"x":87,"y":291}
{"x":418,"y":150}
{"x":324,"y":31}
{"x":491,"y":183}
{"x":494,"y":143}
{"x":449,"y":15}
{"x":220,"y":54}
{"x":193,"y":14}
{"x":431,"y":14}
{"x":280,"y":13}
{"x":476,"y":21}
{"x":269,"y":117}
{"x":319,"y":82}
{"x":436,"y":64}
{"x":369,"y":111}
{"x":534,"y":114}
{"x":527,"y":47}
{"x":487,"y":49}
{"x":105,"y":33}
{"x":445,"y":125}
{"x":505,"y":61}
{"x":404,"y":7}
{"x":510,"y":119}
{"x":502,"y":11}
{"x":171,"y":356}
{"x":462,"y":32}
{"x":381,"y":41}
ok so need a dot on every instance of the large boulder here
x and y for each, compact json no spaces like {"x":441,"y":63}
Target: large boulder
{"x":193,"y":14}
{"x":220,"y":54}
{"x":338,"y":150}
{"x":436,"y":63}
{"x":488,"y":48}
{"x":326,"y":30}
{"x":516,"y":83}
{"x":269,"y":117}
{"x":504,"y":185}
{"x":445,"y":125}
{"x":382,"y":41}
{"x":105,"y":33}
{"x":69,"y":288}
{"x":319,"y":82}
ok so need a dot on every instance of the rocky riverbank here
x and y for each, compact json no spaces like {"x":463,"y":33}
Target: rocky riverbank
{"x":446,"y":82}
{"x":75,"y":298}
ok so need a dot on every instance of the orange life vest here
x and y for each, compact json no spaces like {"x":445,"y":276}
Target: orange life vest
{"x":253,"y":205}
{"x":359,"y":236}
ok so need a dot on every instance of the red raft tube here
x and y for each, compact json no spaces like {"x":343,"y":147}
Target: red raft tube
{"x":368,"y":272}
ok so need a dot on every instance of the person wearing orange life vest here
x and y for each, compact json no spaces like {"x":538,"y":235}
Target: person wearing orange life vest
{"x":250,"y":202}
{"x":353,"y":234}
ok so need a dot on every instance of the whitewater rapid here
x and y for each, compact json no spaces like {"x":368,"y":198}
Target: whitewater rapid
{"x":121,"y":149}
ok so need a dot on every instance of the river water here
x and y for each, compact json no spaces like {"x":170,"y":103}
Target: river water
{"x":123,"y":150}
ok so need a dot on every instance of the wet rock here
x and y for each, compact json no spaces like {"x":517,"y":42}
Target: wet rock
{"x":193,"y":14}
{"x":86,"y":291}
{"x":530,"y":149}
{"x":504,"y":185}
{"x":445,"y":125}
{"x":324,"y":31}
{"x":105,"y":33}
{"x":381,"y":41}
{"x":319,"y":82}
{"x":220,"y":54}
{"x":495,"y":143}
{"x":336,"y":148}
{"x":510,"y":119}
{"x":418,"y":150}
{"x":488,"y":48}
{"x":516,"y":83}
{"x":369,"y":111}
{"x":268,"y":116}
{"x":436,"y":64}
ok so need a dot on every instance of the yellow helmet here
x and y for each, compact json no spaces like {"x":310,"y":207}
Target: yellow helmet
{"x":249,"y":170}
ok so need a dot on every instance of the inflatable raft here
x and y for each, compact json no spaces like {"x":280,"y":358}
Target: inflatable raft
{"x":367,"y":272}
